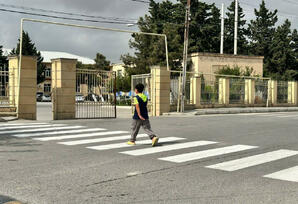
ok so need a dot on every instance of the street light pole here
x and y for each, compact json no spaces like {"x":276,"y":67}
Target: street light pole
{"x":185,"y":53}
{"x":222,"y":28}
{"x":236,"y":28}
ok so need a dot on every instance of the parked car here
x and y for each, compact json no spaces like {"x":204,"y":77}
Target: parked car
{"x":80,"y":98}
{"x":39,"y":96}
{"x":92,"y":97}
{"x":46,"y":98}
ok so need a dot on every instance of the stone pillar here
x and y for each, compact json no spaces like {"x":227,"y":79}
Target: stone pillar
{"x":272,"y":92}
{"x":195,"y":91}
{"x":292,"y":92}
{"x":224,"y":91}
{"x":24,"y":89}
{"x":160,"y":90}
{"x":249,"y":91}
{"x":64,"y":88}
{"x":84,"y":89}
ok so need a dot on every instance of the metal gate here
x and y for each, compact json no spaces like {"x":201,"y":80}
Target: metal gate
{"x":7,"y":95}
{"x":95,"y":94}
{"x":144,"y":79}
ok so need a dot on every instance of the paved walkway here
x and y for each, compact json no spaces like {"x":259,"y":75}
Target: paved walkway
{"x":210,"y":111}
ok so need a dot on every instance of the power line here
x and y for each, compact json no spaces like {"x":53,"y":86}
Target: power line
{"x":65,"y":18}
{"x":278,"y":11}
{"x":141,"y":1}
{"x":291,"y":2}
{"x":65,"y":13}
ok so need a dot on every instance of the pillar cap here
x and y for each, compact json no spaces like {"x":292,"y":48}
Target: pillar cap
{"x":23,"y":56}
{"x":64,"y":59}
{"x":158,"y":67}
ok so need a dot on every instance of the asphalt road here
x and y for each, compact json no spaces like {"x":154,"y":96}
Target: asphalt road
{"x":245,"y":158}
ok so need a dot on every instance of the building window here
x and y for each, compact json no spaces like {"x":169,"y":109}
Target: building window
{"x":47,"y":88}
{"x":47,"y":73}
{"x":119,"y":73}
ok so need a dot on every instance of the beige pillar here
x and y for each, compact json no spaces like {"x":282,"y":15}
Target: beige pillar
{"x":84,"y":89}
{"x":160,"y":90}
{"x":24,"y":91}
{"x":272,"y":92}
{"x":195,"y":91}
{"x":224,"y":91}
{"x":249,"y":91}
{"x":64,"y":88}
{"x":292,"y":92}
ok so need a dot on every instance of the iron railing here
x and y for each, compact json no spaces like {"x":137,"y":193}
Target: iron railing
{"x":209,"y":89}
{"x":96,"y":94}
{"x":282,"y":92}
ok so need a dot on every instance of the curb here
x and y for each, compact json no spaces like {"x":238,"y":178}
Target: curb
{"x":13,"y":202}
{"x":236,"y":111}
{"x":232,"y":111}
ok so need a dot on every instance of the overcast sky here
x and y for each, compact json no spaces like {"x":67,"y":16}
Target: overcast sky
{"x":87,"y":42}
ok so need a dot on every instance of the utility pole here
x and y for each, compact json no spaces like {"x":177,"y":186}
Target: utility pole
{"x":185,"y":53}
{"x":222,"y":28}
{"x":236,"y":28}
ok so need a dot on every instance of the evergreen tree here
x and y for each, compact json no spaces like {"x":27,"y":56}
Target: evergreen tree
{"x":261,"y":34}
{"x":229,"y":31}
{"x":283,"y":55}
{"x":29,"y":49}
{"x":168,"y":18}
{"x":294,"y":45}
{"x":101,"y":62}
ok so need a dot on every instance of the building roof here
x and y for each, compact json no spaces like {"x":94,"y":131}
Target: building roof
{"x":48,"y":55}
{"x":205,"y":54}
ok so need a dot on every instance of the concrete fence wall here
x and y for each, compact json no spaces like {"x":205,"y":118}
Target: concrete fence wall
{"x":224,"y":91}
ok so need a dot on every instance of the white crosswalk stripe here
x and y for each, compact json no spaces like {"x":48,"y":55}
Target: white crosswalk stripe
{"x":167,"y":148}
{"x":290,"y":174}
{"x":54,"y":127}
{"x":27,"y":126}
{"x":18,"y":124}
{"x":142,"y":142}
{"x":287,"y":116}
{"x":80,"y":130}
{"x":61,"y":137}
{"x":58,"y":132}
{"x":206,"y":153}
{"x":97,"y":140}
{"x":253,"y":160}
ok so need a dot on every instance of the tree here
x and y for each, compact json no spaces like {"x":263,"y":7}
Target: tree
{"x":123,"y":83}
{"x":294,"y":45}
{"x":229,"y":31}
{"x":283,"y":54}
{"x":29,"y":49}
{"x":168,"y":18}
{"x":101,"y":62}
{"x":262,"y":30}
{"x":3,"y":60}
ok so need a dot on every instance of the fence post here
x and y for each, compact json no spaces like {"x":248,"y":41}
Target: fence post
{"x":224,"y":91}
{"x":25,"y":88}
{"x":249,"y":91}
{"x":292,"y":92}
{"x":161,"y":83}
{"x":195,"y":91}
{"x":64,"y":88}
{"x":272,"y":91}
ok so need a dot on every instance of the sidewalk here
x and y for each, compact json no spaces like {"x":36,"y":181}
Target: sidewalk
{"x":210,"y":111}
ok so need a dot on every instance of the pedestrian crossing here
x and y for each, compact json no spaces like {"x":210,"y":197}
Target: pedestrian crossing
{"x":102,"y":139}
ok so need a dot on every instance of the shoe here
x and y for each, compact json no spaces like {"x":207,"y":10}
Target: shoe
{"x":154,"y":141}
{"x":131,"y":143}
